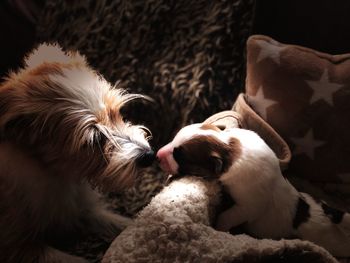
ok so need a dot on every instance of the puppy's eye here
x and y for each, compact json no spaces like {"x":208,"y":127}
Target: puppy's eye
{"x":178,"y":154}
{"x":218,"y":165}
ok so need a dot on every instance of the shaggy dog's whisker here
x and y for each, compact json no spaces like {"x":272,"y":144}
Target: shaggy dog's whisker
{"x":108,"y":135}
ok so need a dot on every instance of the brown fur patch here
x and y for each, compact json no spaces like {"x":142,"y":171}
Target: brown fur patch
{"x":207,"y":126}
{"x":197,"y":156}
{"x":48,"y":69}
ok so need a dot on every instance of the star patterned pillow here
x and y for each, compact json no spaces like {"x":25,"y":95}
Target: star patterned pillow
{"x":305,"y":96}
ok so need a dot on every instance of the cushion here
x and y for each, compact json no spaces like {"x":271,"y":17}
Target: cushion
{"x":225,"y":119}
{"x":250,"y":120}
{"x":305,"y":96}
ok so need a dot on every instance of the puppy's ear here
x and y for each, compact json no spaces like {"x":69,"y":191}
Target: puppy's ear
{"x":52,"y":53}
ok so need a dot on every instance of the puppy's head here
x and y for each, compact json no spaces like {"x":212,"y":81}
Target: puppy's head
{"x":68,"y":117}
{"x":210,"y":151}
{"x":199,"y":149}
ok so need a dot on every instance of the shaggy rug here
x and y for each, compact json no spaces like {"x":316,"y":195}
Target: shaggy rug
{"x":187,"y":55}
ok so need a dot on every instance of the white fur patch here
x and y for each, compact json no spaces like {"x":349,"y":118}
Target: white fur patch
{"x":48,"y":53}
{"x":83,"y":88}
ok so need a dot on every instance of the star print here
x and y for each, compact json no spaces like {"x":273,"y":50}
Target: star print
{"x":323,"y":89}
{"x":269,"y":50}
{"x":307,"y":144}
{"x":260,"y":103}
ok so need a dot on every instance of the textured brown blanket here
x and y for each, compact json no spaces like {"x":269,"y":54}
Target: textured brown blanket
{"x":175,"y":227}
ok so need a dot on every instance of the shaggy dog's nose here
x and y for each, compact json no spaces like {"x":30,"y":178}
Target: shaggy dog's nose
{"x":146,"y":159}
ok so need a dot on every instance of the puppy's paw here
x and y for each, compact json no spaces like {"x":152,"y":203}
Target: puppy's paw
{"x":223,"y":224}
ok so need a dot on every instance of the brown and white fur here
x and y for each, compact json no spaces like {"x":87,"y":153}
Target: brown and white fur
{"x":265,"y":202}
{"x":62,"y":134}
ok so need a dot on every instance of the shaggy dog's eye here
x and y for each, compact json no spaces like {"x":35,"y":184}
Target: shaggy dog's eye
{"x":147,"y":132}
{"x":99,"y":139}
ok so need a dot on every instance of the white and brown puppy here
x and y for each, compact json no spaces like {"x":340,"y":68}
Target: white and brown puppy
{"x":61,"y":132}
{"x":265,"y":202}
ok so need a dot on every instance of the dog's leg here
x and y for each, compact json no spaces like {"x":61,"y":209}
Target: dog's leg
{"x":231,"y":217}
{"x":107,"y":224}
{"x":99,"y":219}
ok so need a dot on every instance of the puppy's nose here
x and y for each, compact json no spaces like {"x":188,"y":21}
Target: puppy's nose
{"x":146,"y":159}
{"x":165,"y":151}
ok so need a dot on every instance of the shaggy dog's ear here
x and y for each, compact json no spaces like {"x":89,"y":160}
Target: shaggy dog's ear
{"x":27,"y":90}
{"x":51,"y":53}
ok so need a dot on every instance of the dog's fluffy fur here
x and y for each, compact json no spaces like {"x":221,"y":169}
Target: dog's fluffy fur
{"x":265,"y":202}
{"x":61,"y":132}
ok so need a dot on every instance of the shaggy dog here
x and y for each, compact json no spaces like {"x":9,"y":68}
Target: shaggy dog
{"x":62,"y":134}
{"x":265,"y":202}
